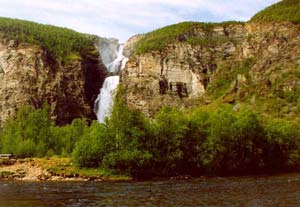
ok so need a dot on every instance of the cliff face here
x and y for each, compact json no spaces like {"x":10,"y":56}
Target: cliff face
{"x":255,"y":64}
{"x":29,"y":76}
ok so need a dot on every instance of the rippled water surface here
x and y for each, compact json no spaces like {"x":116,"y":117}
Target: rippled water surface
{"x":247,"y":191}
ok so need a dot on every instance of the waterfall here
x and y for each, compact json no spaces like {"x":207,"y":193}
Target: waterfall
{"x":104,"y":102}
{"x":114,"y":66}
{"x":105,"y":98}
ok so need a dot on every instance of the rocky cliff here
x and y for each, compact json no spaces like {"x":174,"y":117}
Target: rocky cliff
{"x":29,"y":76}
{"x":250,"y":63}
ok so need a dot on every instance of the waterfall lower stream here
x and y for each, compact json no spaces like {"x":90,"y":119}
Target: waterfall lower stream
{"x":104,"y":102}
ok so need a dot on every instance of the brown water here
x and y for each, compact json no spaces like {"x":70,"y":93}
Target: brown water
{"x":270,"y":191}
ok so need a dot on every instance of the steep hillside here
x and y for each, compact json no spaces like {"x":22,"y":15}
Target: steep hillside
{"x":190,"y":64}
{"x":45,"y":64}
{"x":286,"y":10}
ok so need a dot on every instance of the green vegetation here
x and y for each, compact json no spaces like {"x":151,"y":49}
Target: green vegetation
{"x":182,"y":32}
{"x":195,"y":142}
{"x":32,"y":134}
{"x":157,"y":40}
{"x":227,"y":73}
{"x":61,"y":43}
{"x":286,"y":10}
{"x":63,"y":167}
{"x":206,"y":141}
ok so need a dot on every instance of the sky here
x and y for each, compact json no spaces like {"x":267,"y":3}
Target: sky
{"x":124,"y":18}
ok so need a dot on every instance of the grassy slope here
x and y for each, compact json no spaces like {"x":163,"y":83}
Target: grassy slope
{"x":158,"y":39}
{"x":286,"y":10}
{"x":61,"y":43}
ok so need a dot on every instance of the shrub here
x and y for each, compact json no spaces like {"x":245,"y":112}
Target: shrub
{"x":92,"y":147}
{"x":131,"y":162}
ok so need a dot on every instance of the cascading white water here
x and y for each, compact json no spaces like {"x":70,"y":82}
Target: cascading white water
{"x":105,"y":98}
{"x":104,"y":102}
{"x":114,"y":67}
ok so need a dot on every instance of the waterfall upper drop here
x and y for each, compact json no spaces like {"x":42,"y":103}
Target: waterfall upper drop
{"x":115,"y":66}
{"x":114,"y":62}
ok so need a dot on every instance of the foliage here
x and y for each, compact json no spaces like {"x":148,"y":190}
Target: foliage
{"x":90,"y":150}
{"x":61,"y":43}
{"x":32,"y":133}
{"x":200,"y":141}
{"x":213,"y":141}
{"x":158,"y":39}
{"x":118,"y":145}
{"x":168,"y":131}
{"x":208,"y":41}
{"x":286,"y":10}
{"x":283,"y":144}
{"x":226,"y":74}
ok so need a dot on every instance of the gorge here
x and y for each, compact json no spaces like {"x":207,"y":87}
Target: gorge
{"x":194,"y":98}
{"x":190,"y":114}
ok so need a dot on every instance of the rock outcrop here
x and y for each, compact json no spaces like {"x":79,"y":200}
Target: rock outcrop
{"x":28,"y":76}
{"x":244,"y":62}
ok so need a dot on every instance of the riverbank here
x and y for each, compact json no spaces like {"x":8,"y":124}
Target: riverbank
{"x":52,"y":169}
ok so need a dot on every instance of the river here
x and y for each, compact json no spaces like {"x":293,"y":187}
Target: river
{"x":283,"y":190}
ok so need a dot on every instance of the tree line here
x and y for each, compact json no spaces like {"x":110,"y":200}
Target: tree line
{"x":199,"y":141}
{"x":61,"y":43}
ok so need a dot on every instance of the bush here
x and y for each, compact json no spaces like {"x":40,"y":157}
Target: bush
{"x":198,"y":129}
{"x":213,"y":141}
{"x":92,"y":147}
{"x":282,"y":151}
{"x":33,"y":133}
{"x":168,"y":131}
{"x":129,"y":162}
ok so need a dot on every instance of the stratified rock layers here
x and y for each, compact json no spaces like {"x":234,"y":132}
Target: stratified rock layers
{"x":28,"y":76}
{"x":181,"y":74}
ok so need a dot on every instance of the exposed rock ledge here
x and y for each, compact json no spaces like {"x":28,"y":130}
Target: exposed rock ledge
{"x":29,"y":77}
{"x":182,"y":74}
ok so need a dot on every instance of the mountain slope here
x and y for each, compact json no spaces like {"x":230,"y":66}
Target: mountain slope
{"x":255,"y":64}
{"x":286,"y":10}
{"x":42,"y":64}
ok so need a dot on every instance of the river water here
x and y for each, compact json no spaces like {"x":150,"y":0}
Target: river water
{"x":270,"y":191}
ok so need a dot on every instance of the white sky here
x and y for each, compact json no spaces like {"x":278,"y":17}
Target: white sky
{"x":123,"y":18}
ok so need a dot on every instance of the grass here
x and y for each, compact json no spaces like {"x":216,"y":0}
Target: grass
{"x":157,"y":40}
{"x":64,"y":167}
{"x":60,"y":43}
{"x":226,"y":74}
{"x":208,"y":41}
{"x":286,"y":10}
{"x":187,"y":32}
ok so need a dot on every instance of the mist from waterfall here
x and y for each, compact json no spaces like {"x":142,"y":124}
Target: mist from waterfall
{"x":104,"y":102}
